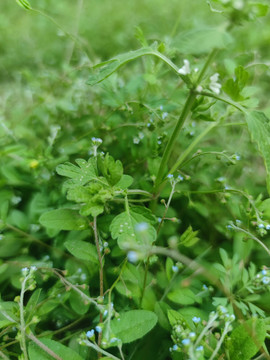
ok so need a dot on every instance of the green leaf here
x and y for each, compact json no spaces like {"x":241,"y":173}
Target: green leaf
{"x":82,"y":250}
{"x":112,"y":170}
{"x":234,"y":86}
{"x":24,"y":4}
{"x":133,"y":325}
{"x":79,"y":175}
{"x":246,"y":339}
{"x":182,"y":296}
{"x":131,"y":228}
{"x":93,"y":197}
{"x":175,"y":318}
{"x":65,"y":353}
{"x":202,"y":40}
{"x":259,"y":129}
{"x":124,"y":182}
{"x":107,"y":68}
{"x":77,"y":303}
{"x":189,"y":238}
{"x":63,"y":219}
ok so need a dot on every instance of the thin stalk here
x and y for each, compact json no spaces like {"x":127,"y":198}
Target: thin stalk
{"x":101,"y":290}
{"x":253,"y":237}
{"x":32,"y":337}
{"x":217,"y":153}
{"x":225,"y":100}
{"x":22,"y":321}
{"x":99,"y":350}
{"x":3,"y":356}
{"x":167,"y":206}
{"x":190,"y":148}
{"x":168,"y":150}
{"x":225,"y":331}
{"x":205,"y":329}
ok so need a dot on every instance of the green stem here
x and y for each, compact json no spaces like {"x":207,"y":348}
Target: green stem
{"x":217,"y":153}
{"x":3,"y":356}
{"x":168,"y":150}
{"x":227,"y":101}
{"x":207,"y":63}
{"x":225,"y":331}
{"x":190,"y":148}
{"x":99,"y":350}
{"x":44,"y":347}
{"x":22,"y":327}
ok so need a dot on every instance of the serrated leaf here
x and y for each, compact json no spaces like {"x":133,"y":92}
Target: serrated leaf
{"x":126,"y":228}
{"x":63,"y":219}
{"x":124,"y":182}
{"x":259,"y":129}
{"x":82,"y":250}
{"x":93,"y":197}
{"x":202,"y":40}
{"x":79,"y":175}
{"x":246,"y":339}
{"x":112,"y":170}
{"x":107,"y":68}
{"x":133,"y":325}
{"x":64,"y":352}
{"x":234,"y":86}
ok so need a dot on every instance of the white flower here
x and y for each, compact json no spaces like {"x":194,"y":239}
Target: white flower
{"x":185,"y":69}
{"x":214,"y":85}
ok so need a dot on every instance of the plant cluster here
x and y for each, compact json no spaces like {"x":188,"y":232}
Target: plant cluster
{"x":134,"y":206}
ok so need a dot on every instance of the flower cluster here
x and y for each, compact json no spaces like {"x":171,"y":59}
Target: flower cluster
{"x":262,"y":279}
{"x":190,"y":339}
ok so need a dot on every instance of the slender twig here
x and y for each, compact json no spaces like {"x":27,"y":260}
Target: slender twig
{"x":224,"y":333}
{"x":32,"y":337}
{"x":22,"y":321}
{"x":3,"y":356}
{"x":99,"y":350}
{"x":101,"y":289}
{"x":253,"y":237}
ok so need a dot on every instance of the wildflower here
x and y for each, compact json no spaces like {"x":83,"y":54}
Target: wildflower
{"x":261,"y":226}
{"x":98,"y":329}
{"x":136,"y":140}
{"x":180,"y":178}
{"x":229,"y":227}
{"x":192,"y":335}
{"x":267,"y":227}
{"x":170,"y":176}
{"x":164,"y":115}
{"x":205,"y":287}
{"x":265,"y":280}
{"x":113,"y":340}
{"x":214,"y":85}
{"x":199,"y":348}
{"x":96,"y":141}
{"x":196,"y":319}
{"x":186,"y":342}
{"x":132,"y":256}
{"x":199,"y":88}
{"x":175,"y":347}
{"x":264,"y":272}
{"x":90,"y":333}
{"x":185,"y":70}
{"x":25,"y":271}
{"x":175,"y":268}
{"x":105,"y":313}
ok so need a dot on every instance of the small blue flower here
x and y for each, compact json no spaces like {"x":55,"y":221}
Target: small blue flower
{"x":132,"y":256}
{"x":159,"y":219}
{"x":170,"y":176}
{"x":186,"y":342}
{"x":265,"y":280}
{"x":196,"y":319}
{"x":261,"y":226}
{"x":98,"y":329}
{"x":229,"y":227}
{"x":192,"y":335}
{"x":105,"y":313}
{"x":180,"y":178}
{"x":264,"y":272}
{"x":113,"y":340}
{"x":175,"y":347}
{"x":205,"y":287}
{"x":164,"y":115}
{"x":199,"y":348}
{"x":90,"y":333}
{"x":267,"y":227}
{"x":175,"y":268}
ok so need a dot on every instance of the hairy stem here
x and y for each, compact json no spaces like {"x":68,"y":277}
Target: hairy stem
{"x":22,"y":321}
{"x":101,"y":290}
{"x":32,"y":337}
